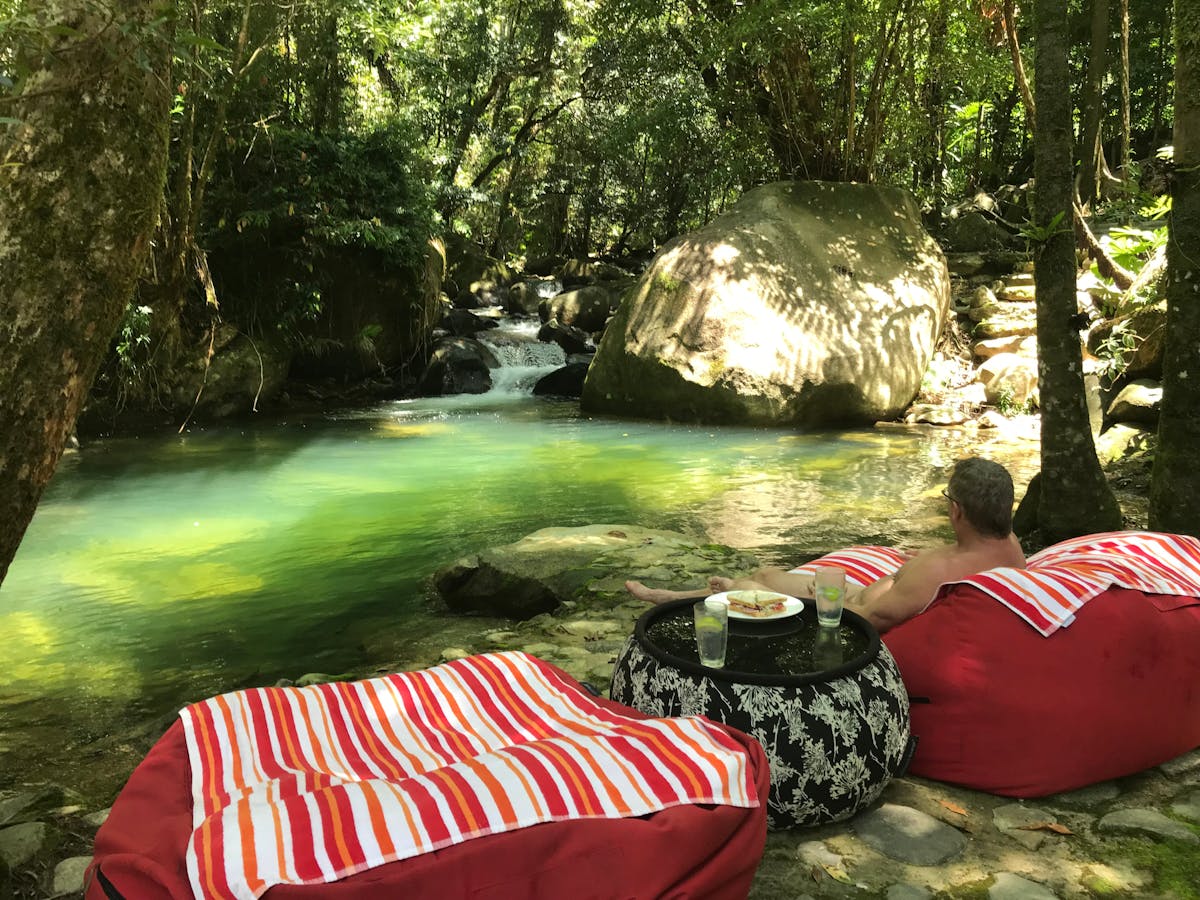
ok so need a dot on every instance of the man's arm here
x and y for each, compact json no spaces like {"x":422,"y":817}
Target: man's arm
{"x":897,"y":598}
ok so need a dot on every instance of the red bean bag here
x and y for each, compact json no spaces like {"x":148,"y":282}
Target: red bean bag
{"x":680,"y":852}
{"x":998,"y":707}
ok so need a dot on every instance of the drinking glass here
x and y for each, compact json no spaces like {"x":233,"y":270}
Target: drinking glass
{"x":712,"y":631}
{"x":829,"y":590}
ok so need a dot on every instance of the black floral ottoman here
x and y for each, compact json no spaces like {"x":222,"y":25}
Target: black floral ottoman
{"x":835,"y":728}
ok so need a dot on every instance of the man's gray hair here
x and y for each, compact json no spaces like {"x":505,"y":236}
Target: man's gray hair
{"x":984,"y":491}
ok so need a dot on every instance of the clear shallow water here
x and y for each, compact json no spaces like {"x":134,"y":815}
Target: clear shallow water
{"x":159,"y":571}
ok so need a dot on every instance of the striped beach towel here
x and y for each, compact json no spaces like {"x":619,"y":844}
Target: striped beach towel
{"x":309,"y":785}
{"x":863,"y":565}
{"x":1061,"y":579}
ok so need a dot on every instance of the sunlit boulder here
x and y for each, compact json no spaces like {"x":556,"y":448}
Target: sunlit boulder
{"x":807,"y":304}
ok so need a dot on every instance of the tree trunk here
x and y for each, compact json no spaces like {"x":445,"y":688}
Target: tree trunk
{"x":80,"y":188}
{"x":1176,"y":477}
{"x":1075,"y":497}
{"x":1125,"y":158}
{"x":1087,"y":241}
{"x":1091,"y":154}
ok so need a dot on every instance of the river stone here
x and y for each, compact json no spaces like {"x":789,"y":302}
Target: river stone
{"x":936,"y":414}
{"x":68,"y":876}
{"x":909,"y":835}
{"x":1091,"y":796}
{"x":98,"y":818}
{"x":1009,"y":379}
{"x":816,"y":853}
{"x":1010,"y":817}
{"x":1008,"y":886}
{"x":21,"y":843}
{"x":1122,"y":441}
{"x":458,"y":366}
{"x":1022,"y":345}
{"x":586,"y":308}
{"x":808,"y":303}
{"x":1188,"y":806}
{"x":1137,"y":403}
{"x":20,"y":806}
{"x":1146,"y":822}
{"x":1186,"y":764}
{"x":555,"y":565}
{"x":564,"y":382}
{"x":1017,"y":324}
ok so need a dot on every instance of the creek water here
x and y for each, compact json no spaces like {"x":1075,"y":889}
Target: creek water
{"x":161,"y":570}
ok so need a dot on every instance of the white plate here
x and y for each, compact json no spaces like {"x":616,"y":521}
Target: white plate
{"x":791,"y":606}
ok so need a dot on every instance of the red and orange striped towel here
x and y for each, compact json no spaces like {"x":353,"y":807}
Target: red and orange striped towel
{"x":1060,"y":579}
{"x":863,"y":565}
{"x":309,"y":785}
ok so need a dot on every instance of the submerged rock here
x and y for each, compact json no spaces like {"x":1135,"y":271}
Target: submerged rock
{"x":556,"y":565}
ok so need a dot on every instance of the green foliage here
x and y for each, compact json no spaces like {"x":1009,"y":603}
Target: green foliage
{"x":1039,"y":234}
{"x":1131,"y":247}
{"x":282,"y":208}
{"x":1115,"y":352}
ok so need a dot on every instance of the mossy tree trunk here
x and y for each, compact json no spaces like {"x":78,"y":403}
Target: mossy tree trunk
{"x":1175,"y":484}
{"x":1075,"y":497}
{"x":81,"y":177}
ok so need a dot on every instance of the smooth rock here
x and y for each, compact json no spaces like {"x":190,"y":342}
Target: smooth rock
{"x":1008,"y":886}
{"x":1010,"y":381}
{"x":936,"y":414}
{"x":97,"y":818}
{"x":907,"y":892}
{"x":1182,"y":765}
{"x":1147,"y":822}
{"x":909,"y":835}
{"x":587,"y":629}
{"x":1022,"y":345}
{"x":310,"y":678}
{"x":68,"y":876}
{"x":452,"y":653}
{"x":21,"y":843}
{"x":735,"y":323}
{"x":1012,"y":816}
{"x":13,"y":805}
{"x":816,"y":853}
{"x":1122,"y":441}
{"x":1092,"y":795}
{"x":1137,"y":404}
{"x":1188,"y":806}
{"x":540,"y":649}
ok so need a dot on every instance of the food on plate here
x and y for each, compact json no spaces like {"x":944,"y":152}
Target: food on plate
{"x":759,"y":604}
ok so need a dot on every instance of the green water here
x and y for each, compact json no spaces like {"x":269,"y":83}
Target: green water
{"x":158,"y":571}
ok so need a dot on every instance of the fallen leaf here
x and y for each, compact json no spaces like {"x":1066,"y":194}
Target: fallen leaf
{"x":837,"y":874}
{"x":1046,"y":826}
{"x":815,"y":872}
{"x":953,"y":807}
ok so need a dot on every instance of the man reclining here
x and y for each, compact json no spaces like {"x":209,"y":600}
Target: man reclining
{"x":980,"y":498}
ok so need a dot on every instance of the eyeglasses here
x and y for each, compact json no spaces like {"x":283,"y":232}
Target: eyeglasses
{"x":946,"y":494}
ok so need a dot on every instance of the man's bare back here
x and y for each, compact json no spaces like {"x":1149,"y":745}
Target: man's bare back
{"x":896,"y":598}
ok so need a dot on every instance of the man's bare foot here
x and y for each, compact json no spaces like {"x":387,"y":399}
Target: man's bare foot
{"x":660,"y":595}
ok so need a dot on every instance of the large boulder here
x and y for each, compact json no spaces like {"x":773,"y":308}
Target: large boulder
{"x":808,"y":303}
{"x":587,"y":308}
{"x":458,"y":366}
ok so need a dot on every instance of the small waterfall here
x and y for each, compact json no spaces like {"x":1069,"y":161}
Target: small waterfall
{"x":523,"y":358}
